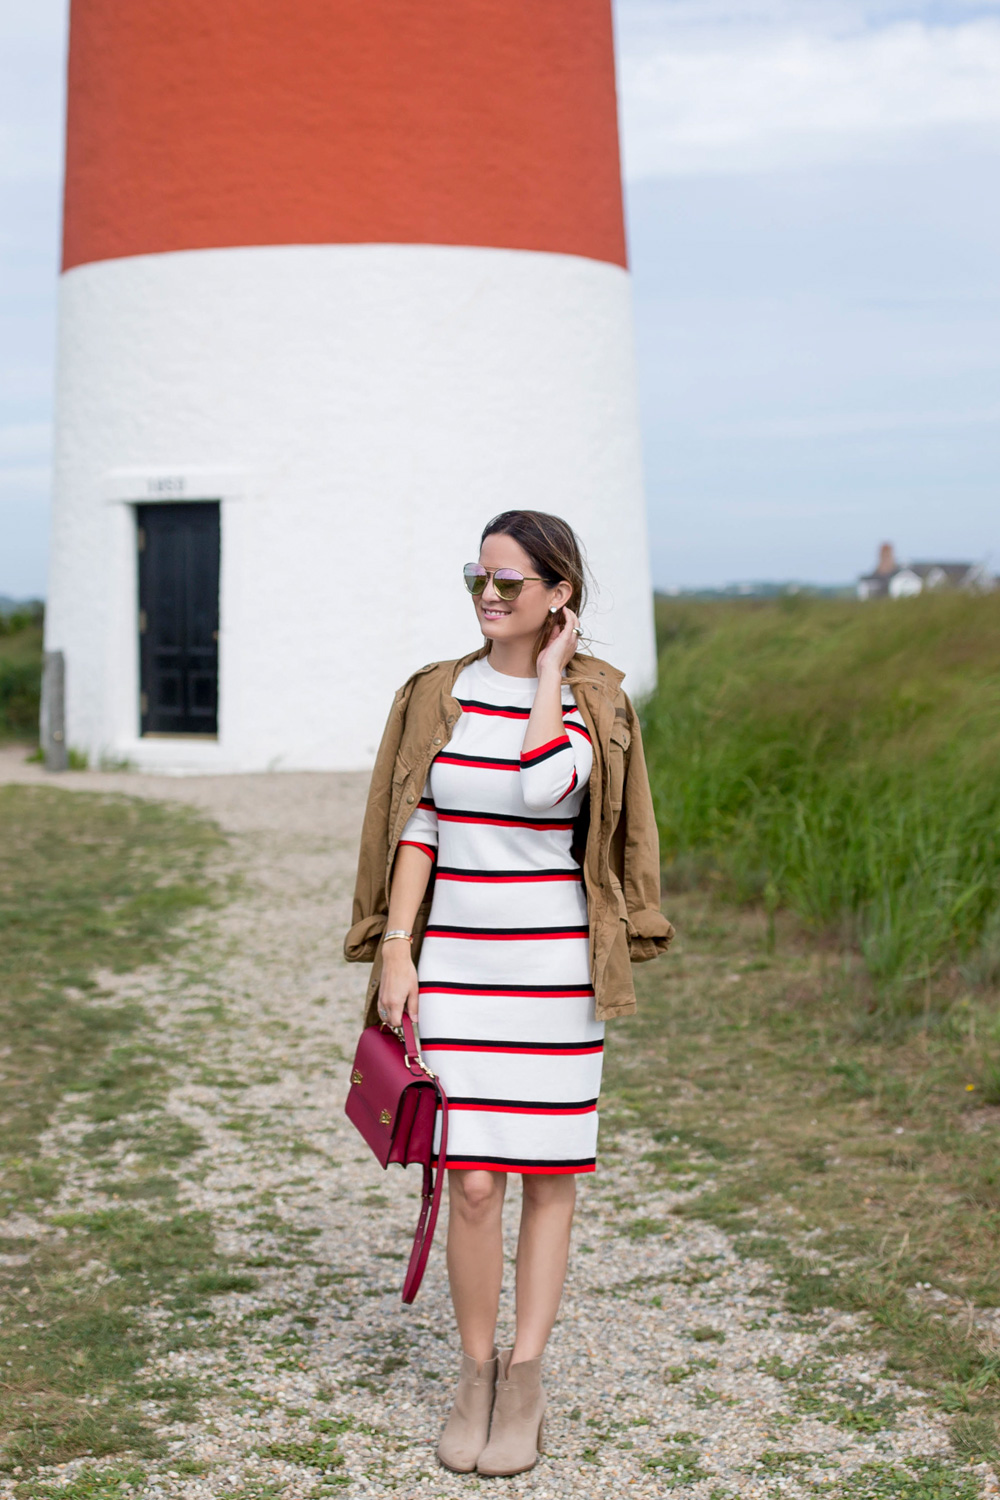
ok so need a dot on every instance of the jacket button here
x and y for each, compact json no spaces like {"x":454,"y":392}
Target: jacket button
{"x":450,"y":719}
{"x":410,"y":797}
{"x":437,"y":742}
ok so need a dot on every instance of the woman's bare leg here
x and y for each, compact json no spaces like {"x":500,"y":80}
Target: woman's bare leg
{"x":475,"y":1256}
{"x":542,"y":1253}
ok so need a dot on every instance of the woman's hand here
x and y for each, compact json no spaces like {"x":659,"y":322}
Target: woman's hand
{"x":554,"y":656}
{"x":398,"y":989}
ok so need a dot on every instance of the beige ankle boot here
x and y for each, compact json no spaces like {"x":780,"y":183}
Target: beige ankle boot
{"x":468,"y":1425}
{"x":518,"y":1417}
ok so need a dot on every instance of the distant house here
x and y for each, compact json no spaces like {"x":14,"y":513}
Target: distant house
{"x":899,"y":581}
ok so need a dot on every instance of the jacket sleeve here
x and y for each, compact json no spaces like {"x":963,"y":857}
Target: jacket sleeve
{"x":370,"y":909}
{"x":649,"y":931}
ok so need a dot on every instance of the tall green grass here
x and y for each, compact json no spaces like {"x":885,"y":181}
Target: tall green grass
{"x":20,"y":673}
{"x":840,"y":759}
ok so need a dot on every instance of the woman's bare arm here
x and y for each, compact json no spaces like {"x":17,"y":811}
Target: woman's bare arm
{"x":398,"y":990}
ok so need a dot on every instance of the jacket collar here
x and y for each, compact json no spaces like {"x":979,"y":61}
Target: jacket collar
{"x":607,"y":678}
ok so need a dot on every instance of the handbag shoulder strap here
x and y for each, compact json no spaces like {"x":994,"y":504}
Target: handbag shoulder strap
{"x":430,"y":1200}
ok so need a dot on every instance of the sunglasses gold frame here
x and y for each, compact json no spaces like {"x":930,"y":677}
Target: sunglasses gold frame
{"x":499,"y":584}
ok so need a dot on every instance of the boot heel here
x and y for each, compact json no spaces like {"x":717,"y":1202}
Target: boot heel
{"x":541,"y":1433}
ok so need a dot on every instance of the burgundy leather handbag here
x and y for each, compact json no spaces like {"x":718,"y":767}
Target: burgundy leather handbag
{"x":393,"y":1100}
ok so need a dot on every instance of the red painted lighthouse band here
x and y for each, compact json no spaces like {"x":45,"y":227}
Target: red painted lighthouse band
{"x":196,"y":124}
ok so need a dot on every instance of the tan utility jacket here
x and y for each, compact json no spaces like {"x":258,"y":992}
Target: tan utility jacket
{"x":615,"y":840}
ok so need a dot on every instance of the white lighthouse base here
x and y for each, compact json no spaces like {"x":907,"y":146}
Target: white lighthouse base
{"x":360,"y":412}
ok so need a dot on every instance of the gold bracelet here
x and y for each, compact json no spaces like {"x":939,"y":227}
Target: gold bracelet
{"x":397,"y":932}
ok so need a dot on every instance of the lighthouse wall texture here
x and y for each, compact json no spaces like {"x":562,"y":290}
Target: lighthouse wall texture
{"x":363,"y":385}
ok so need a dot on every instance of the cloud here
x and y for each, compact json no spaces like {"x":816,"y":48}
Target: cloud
{"x":700,"y":98}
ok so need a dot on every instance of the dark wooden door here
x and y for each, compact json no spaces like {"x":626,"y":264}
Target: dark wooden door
{"x":179,"y":617}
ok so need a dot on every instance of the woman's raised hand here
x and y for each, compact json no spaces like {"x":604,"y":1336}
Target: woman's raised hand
{"x":399,"y":988}
{"x":554,"y":656}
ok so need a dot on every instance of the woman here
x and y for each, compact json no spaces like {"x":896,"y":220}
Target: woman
{"x":512,"y":782}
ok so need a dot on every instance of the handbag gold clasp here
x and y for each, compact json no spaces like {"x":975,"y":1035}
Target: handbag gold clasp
{"x":357,"y":1076}
{"x":385,"y":1118}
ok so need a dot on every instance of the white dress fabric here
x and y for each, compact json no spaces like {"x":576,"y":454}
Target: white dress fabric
{"x":506,"y":1004}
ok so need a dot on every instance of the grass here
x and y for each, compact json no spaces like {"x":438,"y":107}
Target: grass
{"x":838,"y":760}
{"x":863,"y":1169}
{"x":92,"y":885}
{"x":20,"y":674}
{"x":820,"y":1059}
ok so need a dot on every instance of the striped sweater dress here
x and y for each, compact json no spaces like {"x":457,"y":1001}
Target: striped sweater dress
{"x":506,"y":1003}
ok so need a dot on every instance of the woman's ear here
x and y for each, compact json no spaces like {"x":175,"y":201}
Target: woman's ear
{"x":562,"y":594}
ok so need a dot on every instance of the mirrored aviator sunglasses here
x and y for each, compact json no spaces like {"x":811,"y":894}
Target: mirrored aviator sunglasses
{"x":506,"y":581}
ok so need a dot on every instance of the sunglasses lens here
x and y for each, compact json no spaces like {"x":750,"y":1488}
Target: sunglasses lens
{"x":475,"y":578}
{"x":507,"y":582}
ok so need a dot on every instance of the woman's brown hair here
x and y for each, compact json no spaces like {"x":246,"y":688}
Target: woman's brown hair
{"x":555,"y":553}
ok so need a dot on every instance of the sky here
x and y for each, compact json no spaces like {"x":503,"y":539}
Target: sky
{"x":814,"y":229}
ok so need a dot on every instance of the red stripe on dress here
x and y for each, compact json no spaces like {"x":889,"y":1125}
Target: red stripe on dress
{"x":501,"y":820}
{"x":566,"y":793}
{"x":513,"y":1164}
{"x":472,"y":707}
{"x":579,"y":728}
{"x":549,"y":748}
{"x":505,"y":879}
{"x":427,"y":849}
{"x":506,"y":934}
{"x":524,"y":1109}
{"x":559,"y":1049}
{"x":507,"y":991}
{"x":486,"y":763}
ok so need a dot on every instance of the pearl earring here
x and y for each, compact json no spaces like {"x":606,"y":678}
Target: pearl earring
{"x":553,"y":608}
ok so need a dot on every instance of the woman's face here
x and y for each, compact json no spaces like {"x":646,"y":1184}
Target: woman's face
{"x":511,"y":619}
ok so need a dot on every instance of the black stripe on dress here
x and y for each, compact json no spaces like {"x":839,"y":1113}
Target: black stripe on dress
{"x":570,"y":788}
{"x":460,"y":987}
{"x":510,"y":820}
{"x":500,"y":710}
{"x":513,"y":1163}
{"x":506,"y":934}
{"x":544,"y":752}
{"x":456,"y":872}
{"x":523,"y":1106}
{"x":477,"y":1044}
{"x":486,"y":762}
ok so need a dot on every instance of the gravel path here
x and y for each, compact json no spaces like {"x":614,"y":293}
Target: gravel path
{"x":321,"y":1382}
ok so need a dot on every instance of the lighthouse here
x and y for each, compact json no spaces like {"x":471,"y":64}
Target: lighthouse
{"x":341,"y":280}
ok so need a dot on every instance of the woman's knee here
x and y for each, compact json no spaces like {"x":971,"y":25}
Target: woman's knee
{"x":476,"y":1195}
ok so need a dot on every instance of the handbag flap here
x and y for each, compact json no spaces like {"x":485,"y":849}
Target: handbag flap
{"x":380,"y":1085}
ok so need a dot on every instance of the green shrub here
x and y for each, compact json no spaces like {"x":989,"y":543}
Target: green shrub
{"x":24,"y":617}
{"x":20,"y":673}
{"x":840,"y":759}
{"x":20,"y":691}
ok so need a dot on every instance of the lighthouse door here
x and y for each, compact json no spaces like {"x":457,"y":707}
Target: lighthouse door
{"x":179,"y":617}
